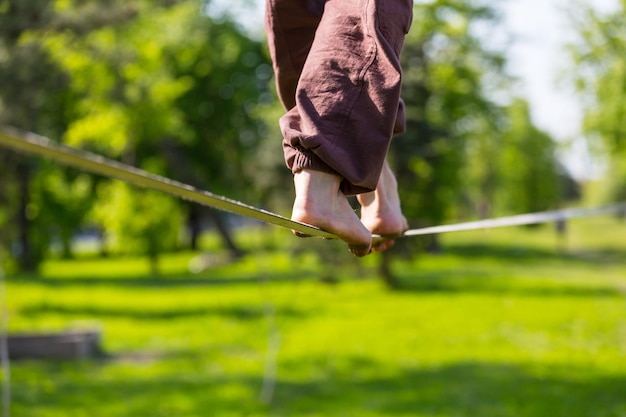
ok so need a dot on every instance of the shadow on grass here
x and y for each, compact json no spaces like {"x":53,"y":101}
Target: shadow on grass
{"x":235,"y":312}
{"x":534,"y":254}
{"x":165,"y":280}
{"x":462,"y":389}
{"x":468,"y":276}
{"x":359,"y":387}
{"x":463,"y":281}
{"x":482,"y":268}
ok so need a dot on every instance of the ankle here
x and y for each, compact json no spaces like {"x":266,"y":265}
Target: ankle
{"x":317,"y":185}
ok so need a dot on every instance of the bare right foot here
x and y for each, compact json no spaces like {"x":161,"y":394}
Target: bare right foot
{"x":381,"y":212}
{"x":319,"y":202}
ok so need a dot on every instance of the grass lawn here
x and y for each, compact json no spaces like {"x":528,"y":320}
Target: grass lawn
{"x":502,"y":323}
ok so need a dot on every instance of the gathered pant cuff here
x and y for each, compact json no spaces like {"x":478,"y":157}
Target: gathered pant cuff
{"x":302,"y":158}
{"x":306,"y":159}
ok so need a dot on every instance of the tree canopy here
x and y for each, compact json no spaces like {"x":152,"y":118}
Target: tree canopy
{"x":599,"y":73}
{"x":164,"y":86}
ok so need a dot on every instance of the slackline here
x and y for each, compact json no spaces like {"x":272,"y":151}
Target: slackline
{"x":34,"y":144}
{"x":31,"y":143}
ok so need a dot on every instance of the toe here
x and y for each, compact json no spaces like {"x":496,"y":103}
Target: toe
{"x":383,"y":246}
{"x":360,"y":250}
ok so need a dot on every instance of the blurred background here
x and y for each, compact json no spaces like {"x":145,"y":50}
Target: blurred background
{"x":513,"y":106}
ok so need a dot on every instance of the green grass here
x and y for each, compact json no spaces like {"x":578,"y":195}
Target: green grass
{"x":502,"y":323}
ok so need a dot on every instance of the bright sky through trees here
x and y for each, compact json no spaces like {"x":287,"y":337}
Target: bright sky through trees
{"x":539,"y":30}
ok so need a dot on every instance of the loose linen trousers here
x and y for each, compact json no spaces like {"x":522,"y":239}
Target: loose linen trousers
{"x":338,"y":76}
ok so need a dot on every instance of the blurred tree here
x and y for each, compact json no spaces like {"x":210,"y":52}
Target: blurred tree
{"x":107,"y":76}
{"x":530,"y":174}
{"x":34,"y":92}
{"x":138,"y":221}
{"x":27,"y":76}
{"x":464,"y":154}
{"x":60,"y":204}
{"x":8,"y":196}
{"x":177,"y":102}
{"x":124,"y":109}
{"x":446,"y":68}
{"x":599,"y":73}
{"x":231,"y":75}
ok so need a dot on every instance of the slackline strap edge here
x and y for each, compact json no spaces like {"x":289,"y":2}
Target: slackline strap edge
{"x":522,"y":219}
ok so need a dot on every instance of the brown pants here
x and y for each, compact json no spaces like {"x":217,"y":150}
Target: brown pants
{"x":338,"y":75}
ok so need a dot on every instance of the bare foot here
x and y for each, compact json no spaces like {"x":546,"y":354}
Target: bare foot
{"x":319,"y":202}
{"x":381,"y":213}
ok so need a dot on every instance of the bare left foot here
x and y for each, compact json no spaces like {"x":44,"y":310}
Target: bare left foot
{"x":381,"y":212}
{"x":319,"y":202}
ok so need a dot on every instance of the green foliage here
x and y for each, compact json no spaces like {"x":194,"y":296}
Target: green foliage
{"x":61,"y":202}
{"x":156,"y":84}
{"x":445,"y":72}
{"x":180,"y":102}
{"x":163,"y":86}
{"x":223,"y":109}
{"x":138,"y":221}
{"x":464,"y":155}
{"x":599,"y":59}
{"x":125,"y":92}
{"x":37,"y":94}
{"x":529,"y":168}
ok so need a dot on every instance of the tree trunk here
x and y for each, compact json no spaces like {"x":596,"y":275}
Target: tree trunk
{"x":26,"y":260}
{"x":560,"y":227}
{"x":225,"y":233}
{"x":154,"y":264}
{"x":66,"y":243}
{"x":104,"y":250}
{"x":194,"y":223}
{"x":434,"y":245}
{"x":384,"y":270}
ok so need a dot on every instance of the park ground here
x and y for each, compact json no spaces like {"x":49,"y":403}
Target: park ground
{"x":511,"y":322}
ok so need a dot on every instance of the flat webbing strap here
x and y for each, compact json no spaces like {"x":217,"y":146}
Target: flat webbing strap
{"x":34,"y":144}
{"x":522,"y":219}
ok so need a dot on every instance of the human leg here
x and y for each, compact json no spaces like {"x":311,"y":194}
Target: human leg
{"x":343,"y":109}
{"x":290,"y":26}
{"x":348,"y":93}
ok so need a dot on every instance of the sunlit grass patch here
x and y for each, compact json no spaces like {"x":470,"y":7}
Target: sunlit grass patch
{"x":501,"y":323}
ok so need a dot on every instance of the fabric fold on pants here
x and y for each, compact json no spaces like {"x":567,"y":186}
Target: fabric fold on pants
{"x":338,"y":76}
